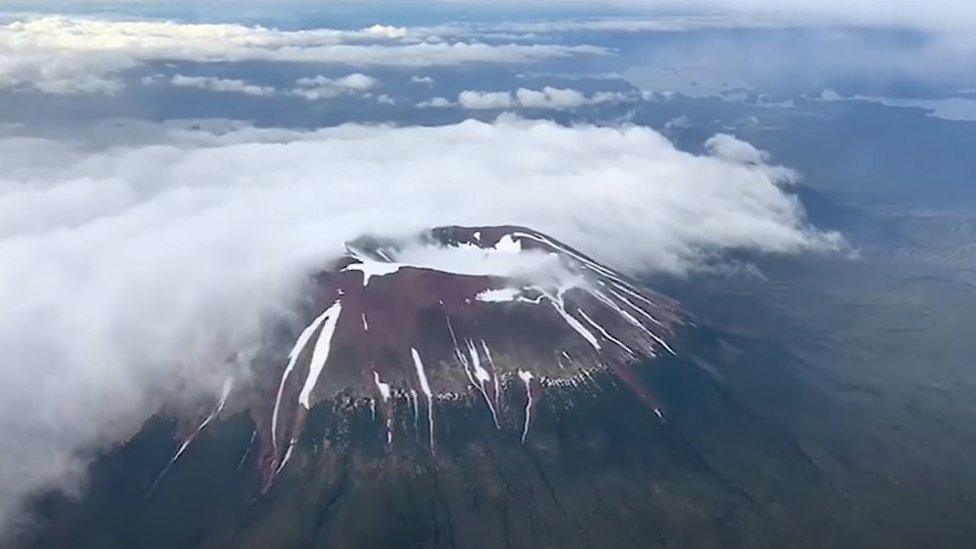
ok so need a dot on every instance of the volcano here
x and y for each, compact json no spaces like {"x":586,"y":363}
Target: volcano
{"x":456,"y":314}
{"x":467,"y":386}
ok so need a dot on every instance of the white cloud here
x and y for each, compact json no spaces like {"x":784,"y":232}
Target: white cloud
{"x":422,"y":80}
{"x":723,"y":145}
{"x":483,"y":100}
{"x":547,"y":98}
{"x":944,"y":44}
{"x":530,"y":30}
{"x":561,"y":98}
{"x":221,"y":85}
{"x":727,"y":147}
{"x":70,"y":55}
{"x":65,"y":55}
{"x":677,"y":122}
{"x":610,"y":97}
{"x":321,"y":87}
{"x":386,"y":31}
{"x":550,"y":98}
{"x":356,"y":81}
{"x":436,"y":102}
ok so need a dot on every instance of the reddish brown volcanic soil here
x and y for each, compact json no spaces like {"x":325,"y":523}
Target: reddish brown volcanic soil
{"x":456,"y":313}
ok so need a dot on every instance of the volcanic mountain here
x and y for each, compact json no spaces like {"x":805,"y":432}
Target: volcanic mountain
{"x":456,"y":315}
{"x":466,"y":386}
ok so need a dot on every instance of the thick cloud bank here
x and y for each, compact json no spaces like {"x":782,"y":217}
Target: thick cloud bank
{"x":130,"y":274}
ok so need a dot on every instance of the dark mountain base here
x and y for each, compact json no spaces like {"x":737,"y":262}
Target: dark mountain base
{"x":598,"y":469}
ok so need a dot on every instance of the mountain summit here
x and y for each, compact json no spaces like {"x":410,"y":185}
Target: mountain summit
{"x":454,"y":314}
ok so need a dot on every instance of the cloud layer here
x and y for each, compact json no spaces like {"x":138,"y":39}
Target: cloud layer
{"x":221,"y":85}
{"x":680,"y":15}
{"x":70,"y":55}
{"x":547,"y":98}
{"x":321,"y":87}
{"x":130,"y":274}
